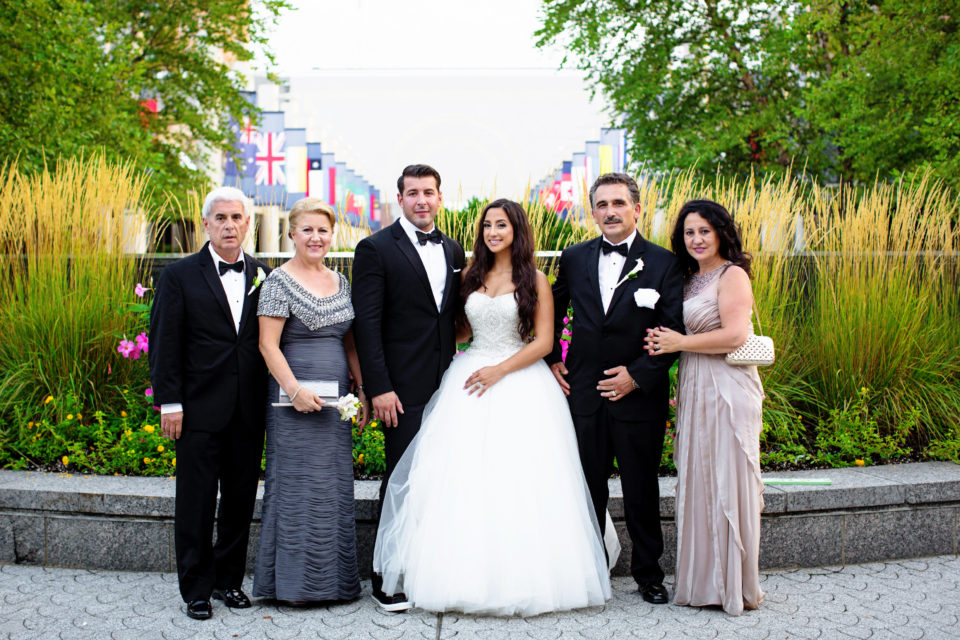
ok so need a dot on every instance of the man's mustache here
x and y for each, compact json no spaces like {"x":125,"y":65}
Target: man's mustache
{"x":610,"y":219}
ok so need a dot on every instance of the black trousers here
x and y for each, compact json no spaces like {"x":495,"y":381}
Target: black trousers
{"x":230,"y":460}
{"x":396,"y":441}
{"x":637,"y":447}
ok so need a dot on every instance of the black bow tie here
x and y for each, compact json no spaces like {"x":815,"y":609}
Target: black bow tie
{"x":424,"y":238}
{"x":228,"y":266}
{"x":621,"y":248}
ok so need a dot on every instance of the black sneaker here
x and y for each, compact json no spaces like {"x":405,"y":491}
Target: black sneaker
{"x":395,"y":603}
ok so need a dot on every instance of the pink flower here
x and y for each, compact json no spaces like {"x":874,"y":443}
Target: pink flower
{"x":148,"y":392}
{"x":566,"y":332}
{"x":140,"y":290}
{"x":673,"y":402}
{"x":566,"y":319}
{"x":142,"y":342}
{"x":564,"y":347}
{"x":156,"y":408}
{"x":126,"y":348}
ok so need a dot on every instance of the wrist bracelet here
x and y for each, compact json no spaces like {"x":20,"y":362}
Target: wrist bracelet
{"x":359,"y":388}
{"x":293,"y":397}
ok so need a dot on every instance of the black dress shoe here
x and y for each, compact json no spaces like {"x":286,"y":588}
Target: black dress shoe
{"x":395,"y":603}
{"x":233,"y":598}
{"x":200,"y":610}
{"x":654,"y":593}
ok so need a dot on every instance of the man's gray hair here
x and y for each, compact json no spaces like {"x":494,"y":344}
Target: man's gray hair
{"x":227,"y":194}
{"x":617,"y":178}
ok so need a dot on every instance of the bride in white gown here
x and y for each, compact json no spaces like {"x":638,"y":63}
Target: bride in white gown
{"x":487,"y":510}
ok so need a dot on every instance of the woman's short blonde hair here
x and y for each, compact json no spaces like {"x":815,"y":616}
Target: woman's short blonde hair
{"x":304,"y":206}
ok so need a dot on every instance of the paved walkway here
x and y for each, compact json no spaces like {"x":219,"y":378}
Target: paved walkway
{"x":902,"y":600}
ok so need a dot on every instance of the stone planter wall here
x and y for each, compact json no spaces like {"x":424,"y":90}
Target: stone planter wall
{"x":866,"y":514}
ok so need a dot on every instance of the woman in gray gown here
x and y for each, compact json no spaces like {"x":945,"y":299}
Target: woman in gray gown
{"x":308,"y":536}
{"x":719,"y":417}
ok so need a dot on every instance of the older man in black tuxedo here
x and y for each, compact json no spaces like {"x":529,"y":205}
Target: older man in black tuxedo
{"x":406,"y":281}
{"x":620,"y":285}
{"x":210,"y":380}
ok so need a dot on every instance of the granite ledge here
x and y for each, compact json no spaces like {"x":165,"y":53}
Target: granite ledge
{"x":851,"y":488}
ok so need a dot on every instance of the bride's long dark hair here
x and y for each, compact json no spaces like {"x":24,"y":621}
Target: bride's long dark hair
{"x":521,"y":257}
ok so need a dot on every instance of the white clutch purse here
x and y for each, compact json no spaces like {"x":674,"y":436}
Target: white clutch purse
{"x":757,"y":350}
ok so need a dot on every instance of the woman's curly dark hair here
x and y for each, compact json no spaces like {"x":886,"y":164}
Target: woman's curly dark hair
{"x":521,"y":256}
{"x":728,"y":233}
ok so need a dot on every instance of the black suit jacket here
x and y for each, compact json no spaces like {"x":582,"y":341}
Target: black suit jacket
{"x":606,"y":340}
{"x":197,"y":358}
{"x":404,"y":342}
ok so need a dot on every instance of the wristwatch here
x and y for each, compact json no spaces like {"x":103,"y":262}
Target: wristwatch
{"x":635,"y":385}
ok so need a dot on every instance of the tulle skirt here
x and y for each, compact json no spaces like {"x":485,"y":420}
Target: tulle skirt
{"x":488,"y":510}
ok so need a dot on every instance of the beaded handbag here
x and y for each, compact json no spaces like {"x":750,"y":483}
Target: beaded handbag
{"x":757,"y":350}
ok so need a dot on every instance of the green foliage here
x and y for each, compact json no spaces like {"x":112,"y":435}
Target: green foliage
{"x":59,"y":433}
{"x":851,"y":433}
{"x":75,"y":72}
{"x":369,"y":455}
{"x":67,"y":285}
{"x":854,"y":89}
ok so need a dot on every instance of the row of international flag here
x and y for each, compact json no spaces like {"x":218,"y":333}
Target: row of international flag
{"x":275,"y":165}
{"x":565,"y":189}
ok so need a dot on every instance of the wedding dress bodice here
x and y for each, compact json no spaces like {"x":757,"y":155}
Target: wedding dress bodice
{"x":495,"y":323}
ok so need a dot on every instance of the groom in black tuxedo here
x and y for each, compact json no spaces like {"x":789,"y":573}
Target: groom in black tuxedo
{"x":619,"y":286}
{"x":406,"y":281}
{"x":210,"y":380}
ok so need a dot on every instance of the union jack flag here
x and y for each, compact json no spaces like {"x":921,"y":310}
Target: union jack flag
{"x":270,"y":159}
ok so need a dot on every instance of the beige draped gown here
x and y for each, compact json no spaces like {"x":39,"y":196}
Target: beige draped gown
{"x":717,"y":453}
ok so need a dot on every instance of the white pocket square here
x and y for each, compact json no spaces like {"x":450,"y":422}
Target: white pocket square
{"x":646,"y":297}
{"x":457,"y":270}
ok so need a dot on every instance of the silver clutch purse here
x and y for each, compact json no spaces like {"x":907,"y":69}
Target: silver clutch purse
{"x":757,"y":350}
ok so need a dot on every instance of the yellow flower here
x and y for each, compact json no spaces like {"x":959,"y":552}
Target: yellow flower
{"x":30,"y":425}
{"x":79,"y":416}
{"x":48,"y":400}
{"x":360,"y":459}
{"x":147,"y":461}
{"x":126,"y":391}
{"x":128,"y":433}
{"x":160,"y":447}
{"x":65,"y":460}
{"x":859,"y":462}
{"x":174,"y":462}
{"x":148,"y":428}
{"x":69,"y":416}
{"x":123,"y":414}
{"x":863,"y":390}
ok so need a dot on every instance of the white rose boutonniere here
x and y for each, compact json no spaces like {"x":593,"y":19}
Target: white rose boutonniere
{"x":261,"y":276}
{"x":646,"y":297}
{"x":637,"y":268}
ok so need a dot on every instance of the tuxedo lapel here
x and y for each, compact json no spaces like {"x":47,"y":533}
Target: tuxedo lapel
{"x":636,"y":252}
{"x":593,"y":273}
{"x":249,"y":274}
{"x":209,"y":272}
{"x":452,"y":280}
{"x":410,"y":253}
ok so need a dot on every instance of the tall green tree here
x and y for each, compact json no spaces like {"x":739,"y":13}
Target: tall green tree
{"x":142,"y":80}
{"x":886,"y":87}
{"x":691,"y":81}
{"x":846,"y":88}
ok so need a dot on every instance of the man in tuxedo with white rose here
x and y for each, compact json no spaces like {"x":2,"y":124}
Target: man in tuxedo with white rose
{"x":619,"y":286}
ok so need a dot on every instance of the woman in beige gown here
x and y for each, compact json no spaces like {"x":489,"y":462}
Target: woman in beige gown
{"x":719,"y":416}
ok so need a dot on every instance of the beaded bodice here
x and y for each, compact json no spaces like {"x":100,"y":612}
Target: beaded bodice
{"x":697,"y":283}
{"x":495,"y":323}
{"x":282,"y":296}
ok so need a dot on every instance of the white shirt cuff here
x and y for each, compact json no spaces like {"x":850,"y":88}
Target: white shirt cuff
{"x":174,"y":407}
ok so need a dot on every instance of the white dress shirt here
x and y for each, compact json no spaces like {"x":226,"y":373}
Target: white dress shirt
{"x":233,"y":284}
{"x":609,"y":268}
{"x":431,"y":254}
